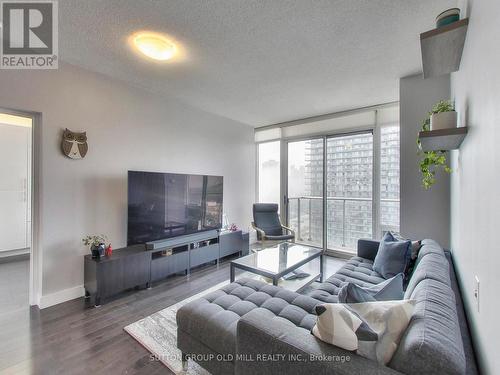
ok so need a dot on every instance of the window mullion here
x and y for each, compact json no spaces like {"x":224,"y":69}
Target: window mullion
{"x":376,"y":179}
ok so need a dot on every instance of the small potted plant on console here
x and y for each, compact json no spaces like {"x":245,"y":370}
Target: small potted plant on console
{"x":97,"y":245}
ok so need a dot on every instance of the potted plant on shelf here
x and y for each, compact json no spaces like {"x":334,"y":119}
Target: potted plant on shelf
{"x":97,"y":245}
{"x":442,"y":116}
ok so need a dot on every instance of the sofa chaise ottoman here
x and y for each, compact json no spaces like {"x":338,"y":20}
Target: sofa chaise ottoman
{"x":250,"y":327}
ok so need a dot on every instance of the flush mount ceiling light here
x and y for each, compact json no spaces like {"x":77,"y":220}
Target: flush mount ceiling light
{"x":154,"y":45}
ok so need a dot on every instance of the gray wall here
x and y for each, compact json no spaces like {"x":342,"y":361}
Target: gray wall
{"x":127,"y":128}
{"x":424,"y":213}
{"x":475,"y":185}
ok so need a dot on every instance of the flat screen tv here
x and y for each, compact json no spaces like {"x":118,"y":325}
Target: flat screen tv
{"x":164,"y":205}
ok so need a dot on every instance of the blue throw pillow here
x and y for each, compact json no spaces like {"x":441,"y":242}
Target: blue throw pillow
{"x":392,"y":256}
{"x":388,"y":290}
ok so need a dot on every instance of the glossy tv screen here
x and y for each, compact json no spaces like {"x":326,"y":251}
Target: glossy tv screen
{"x":165,"y":205}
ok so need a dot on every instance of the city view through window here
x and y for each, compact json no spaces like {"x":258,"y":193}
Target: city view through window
{"x":269,"y":172}
{"x":349,"y":185}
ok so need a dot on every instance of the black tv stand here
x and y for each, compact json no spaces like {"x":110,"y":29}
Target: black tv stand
{"x":141,"y":266}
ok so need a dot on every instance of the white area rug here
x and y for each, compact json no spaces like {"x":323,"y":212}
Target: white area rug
{"x":158,"y":334}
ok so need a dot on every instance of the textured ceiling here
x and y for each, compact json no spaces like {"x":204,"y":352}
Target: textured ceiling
{"x":256,"y":61}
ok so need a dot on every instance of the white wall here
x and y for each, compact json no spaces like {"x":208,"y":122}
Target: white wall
{"x":127,"y":129}
{"x":424,"y":213}
{"x":475,"y":204}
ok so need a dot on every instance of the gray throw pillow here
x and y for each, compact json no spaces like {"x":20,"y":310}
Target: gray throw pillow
{"x":388,"y":290}
{"x":392,"y":256}
{"x":415,"y":245}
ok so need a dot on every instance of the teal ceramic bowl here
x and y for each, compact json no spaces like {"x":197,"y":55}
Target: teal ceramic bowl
{"x":447,"y":17}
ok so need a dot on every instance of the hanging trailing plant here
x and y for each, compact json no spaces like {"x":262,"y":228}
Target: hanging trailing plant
{"x":432,"y":161}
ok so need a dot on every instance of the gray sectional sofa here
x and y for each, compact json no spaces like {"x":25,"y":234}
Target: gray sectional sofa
{"x":250,"y":327}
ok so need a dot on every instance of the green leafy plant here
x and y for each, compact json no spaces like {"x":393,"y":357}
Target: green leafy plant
{"x":94,"y":241}
{"x":432,"y":161}
{"x":442,"y":106}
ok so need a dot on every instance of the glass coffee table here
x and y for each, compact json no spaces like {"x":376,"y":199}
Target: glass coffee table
{"x":279,"y":260}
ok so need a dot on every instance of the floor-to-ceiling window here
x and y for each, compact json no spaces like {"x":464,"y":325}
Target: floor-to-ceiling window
{"x":349,"y":177}
{"x":389,"y":178}
{"x":305,"y":190}
{"x":268,"y":155}
{"x":341,"y":185}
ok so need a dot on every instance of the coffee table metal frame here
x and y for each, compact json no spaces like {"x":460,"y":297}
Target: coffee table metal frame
{"x":276,"y":276}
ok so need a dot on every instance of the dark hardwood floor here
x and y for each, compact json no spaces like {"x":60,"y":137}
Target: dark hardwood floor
{"x":72,"y":338}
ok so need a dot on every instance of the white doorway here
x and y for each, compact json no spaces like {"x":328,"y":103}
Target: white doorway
{"x":16,"y":155}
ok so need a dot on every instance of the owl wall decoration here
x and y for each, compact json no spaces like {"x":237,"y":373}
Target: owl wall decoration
{"x":74,"y":145}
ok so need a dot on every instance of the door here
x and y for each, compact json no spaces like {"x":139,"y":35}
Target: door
{"x":305,"y":199}
{"x":343,"y":212}
{"x":15,"y":151}
{"x":349,"y":175}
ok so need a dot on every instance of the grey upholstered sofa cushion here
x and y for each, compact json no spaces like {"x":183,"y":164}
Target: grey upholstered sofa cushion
{"x":388,"y":290}
{"x":357,"y":270}
{"x":260,"y":332}
{"x":212,"y":319}
{"x":431,"y":246}
{"x":432,"y":266}
{"x":470,"y":358}
{"x":432,"y":343}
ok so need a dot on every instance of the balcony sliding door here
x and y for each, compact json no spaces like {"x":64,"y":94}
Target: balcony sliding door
{"x":305,"y":190}
{"x":345,"y":208}
{"x":349,"y":181}
{"x":336,"y":177}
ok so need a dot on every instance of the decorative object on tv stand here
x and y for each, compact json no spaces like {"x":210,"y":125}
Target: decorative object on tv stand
{"x":97,"y":245}
{"x":109,"y":250}
{"x":448,"y":16}
{"x":225,"y":222}
{"x":436,"y":159}
{"x":74,"y":145}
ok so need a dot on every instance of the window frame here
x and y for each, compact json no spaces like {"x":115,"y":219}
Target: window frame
{"x":375,"y":130}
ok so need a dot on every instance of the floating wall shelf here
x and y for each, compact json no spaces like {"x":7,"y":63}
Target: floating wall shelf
{"x":442,"y":48}
{"x":442,"y":139}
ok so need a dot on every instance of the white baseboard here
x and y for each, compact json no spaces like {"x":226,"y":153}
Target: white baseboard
{"x":61,"y":296}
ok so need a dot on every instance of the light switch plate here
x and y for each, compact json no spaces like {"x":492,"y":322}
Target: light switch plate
{"x":476,"y":291}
